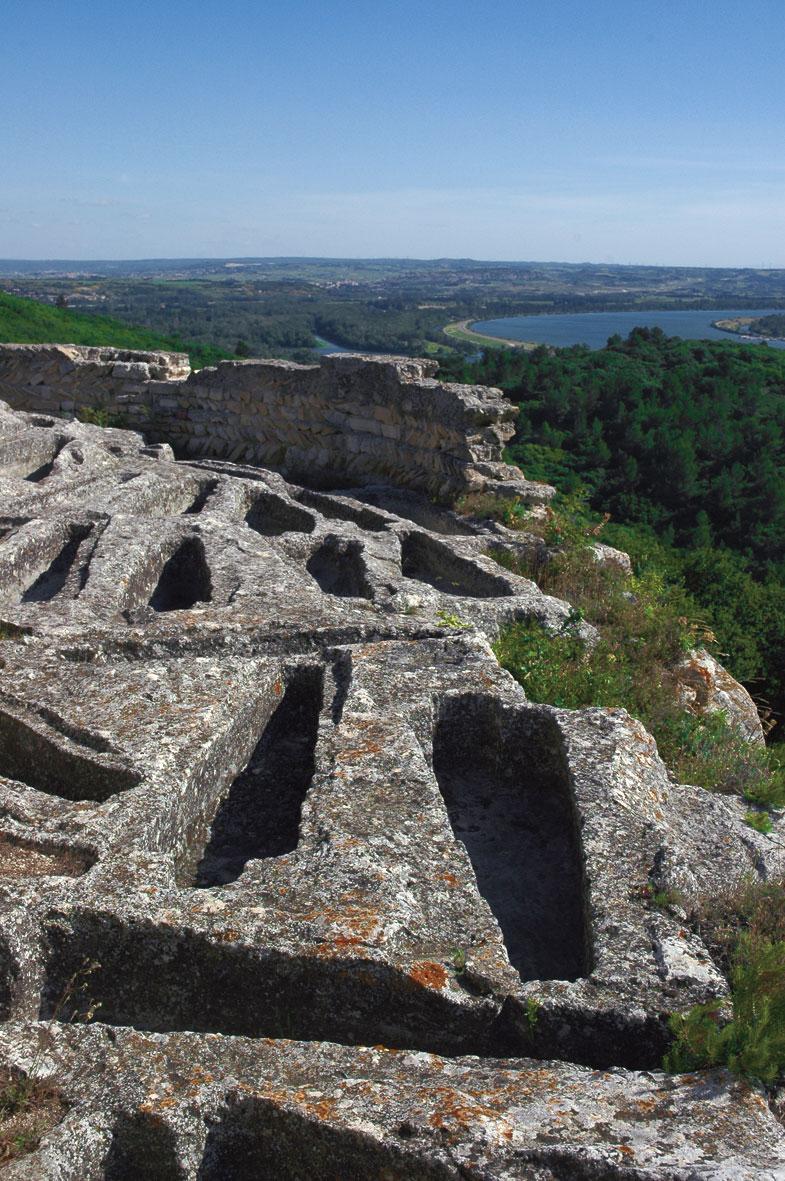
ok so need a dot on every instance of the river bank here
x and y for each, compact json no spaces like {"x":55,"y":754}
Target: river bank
{"x":462,"y":330}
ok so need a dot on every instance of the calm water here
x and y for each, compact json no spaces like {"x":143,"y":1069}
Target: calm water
{"x":594,"y":328}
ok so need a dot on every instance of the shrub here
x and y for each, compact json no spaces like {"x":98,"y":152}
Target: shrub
{"x":646,"y":626}
{"x":100,"y":416}
{"x":484,"y":506}
{"x":745,"y":932}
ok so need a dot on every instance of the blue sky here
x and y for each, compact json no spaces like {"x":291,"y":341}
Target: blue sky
{"x":600,"y":130}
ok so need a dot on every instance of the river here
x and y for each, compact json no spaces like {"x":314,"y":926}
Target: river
{"x":594,"y":328}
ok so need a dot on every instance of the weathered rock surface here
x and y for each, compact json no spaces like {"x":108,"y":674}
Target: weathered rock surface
{"x":270,"y":804}
{"x":706,"y":687}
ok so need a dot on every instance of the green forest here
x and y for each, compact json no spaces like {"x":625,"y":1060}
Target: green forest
{"x":683,"y":443}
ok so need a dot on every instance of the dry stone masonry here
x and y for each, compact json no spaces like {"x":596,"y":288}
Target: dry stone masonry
{"x":295,"y":883}
{"x":350,"y":418}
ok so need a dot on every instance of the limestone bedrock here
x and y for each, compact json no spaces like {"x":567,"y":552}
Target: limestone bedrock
{"x":294,"y":881}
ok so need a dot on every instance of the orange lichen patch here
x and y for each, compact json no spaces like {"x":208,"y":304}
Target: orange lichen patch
{"x":428,"y":974}
{"x":359,"y":752}
{"x":343,"y":941}
{"x":278,"y":688}
{"x":355,"y":924}
{"x":227,"y":936}
{"x":155,"y":1104}
{"x":324,"y":1109}
{"x":320,"y":1108}
{"x":452,"y":1108}
{"x":323,"y":951}
{"x":449,"y":878}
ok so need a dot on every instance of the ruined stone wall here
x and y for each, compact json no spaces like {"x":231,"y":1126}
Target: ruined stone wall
{"x":349,"y":419}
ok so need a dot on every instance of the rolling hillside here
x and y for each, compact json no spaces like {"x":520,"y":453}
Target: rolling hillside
{"x":26,"y":321}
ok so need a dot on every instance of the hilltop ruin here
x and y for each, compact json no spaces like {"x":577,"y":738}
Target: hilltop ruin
{"x":294,"y":881}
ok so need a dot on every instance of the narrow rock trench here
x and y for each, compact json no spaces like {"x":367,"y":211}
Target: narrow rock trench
{"x":424,"y":559}
{"x":53,"y":580}
{"x":260,"y":815}
{"x":338,"y":568}
{"x":505,"y":786}
{"x":184,"y":579}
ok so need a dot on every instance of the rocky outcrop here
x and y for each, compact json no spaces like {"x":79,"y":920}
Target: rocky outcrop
{"x":706,"y":687}
{"x":296,"y":879}
{"x":349,"y":419}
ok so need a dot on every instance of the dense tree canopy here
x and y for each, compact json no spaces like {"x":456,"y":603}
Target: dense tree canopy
{"x":684,"y":443}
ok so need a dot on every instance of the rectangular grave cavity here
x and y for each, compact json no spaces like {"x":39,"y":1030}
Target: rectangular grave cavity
{"x":185,"y":578}
{"x":335,"y":508}
{"x":259,"y":1138}
{"x":260,"y":814}
{"x":506,"y":785}
{"x":417,"y":509}
{"x":271,"y":516}
{"x":426,"y":560}
{"x":338,"y":567}
{"x":142,"y":1146}
{"x":22,"y":858}
{"x":56,"y":765}
{"x":30,"y":454}
{"x":166,"y":976}
{"x":53,"y":580}
{"x":206,"y":489}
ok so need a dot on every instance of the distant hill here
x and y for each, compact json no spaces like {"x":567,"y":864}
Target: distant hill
{"x":26,"y":321}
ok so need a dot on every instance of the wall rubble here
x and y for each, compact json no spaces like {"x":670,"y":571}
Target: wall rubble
{"x":350,"y":419}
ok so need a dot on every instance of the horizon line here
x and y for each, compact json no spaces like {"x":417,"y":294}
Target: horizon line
{"x":263,"y":258}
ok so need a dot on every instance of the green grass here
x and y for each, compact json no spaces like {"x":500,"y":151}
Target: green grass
{"x":26,"y":321}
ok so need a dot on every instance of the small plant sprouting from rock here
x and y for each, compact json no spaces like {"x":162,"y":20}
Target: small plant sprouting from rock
{"x":450,"y":619}
{"x":667,"y":899}
{"x":29,"y":1104}
{"x":29,"y":1107}
{"x":100,"y":416}
{"x":485,"y":506}
{"x":532,"y":1012}
{"x":459,"y":961}
{"x":760,"y":821}
{"x":73,"y":1004}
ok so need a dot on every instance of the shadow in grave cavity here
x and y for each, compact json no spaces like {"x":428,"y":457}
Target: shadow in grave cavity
{"x":184,"y":579}
{"x":424,"y":559}
{"x":504,"y":779}
{"x":256,"y":1138}
{"x":338,"y":567}
{"x":260,"y":815}
{"x":52,"y":581}
{"x":142,"y":1146}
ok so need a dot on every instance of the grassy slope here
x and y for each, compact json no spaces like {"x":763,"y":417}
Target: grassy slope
{"x":25,"y":321}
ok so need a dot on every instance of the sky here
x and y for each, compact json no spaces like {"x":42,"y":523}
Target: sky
{"x":626,"y":131}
